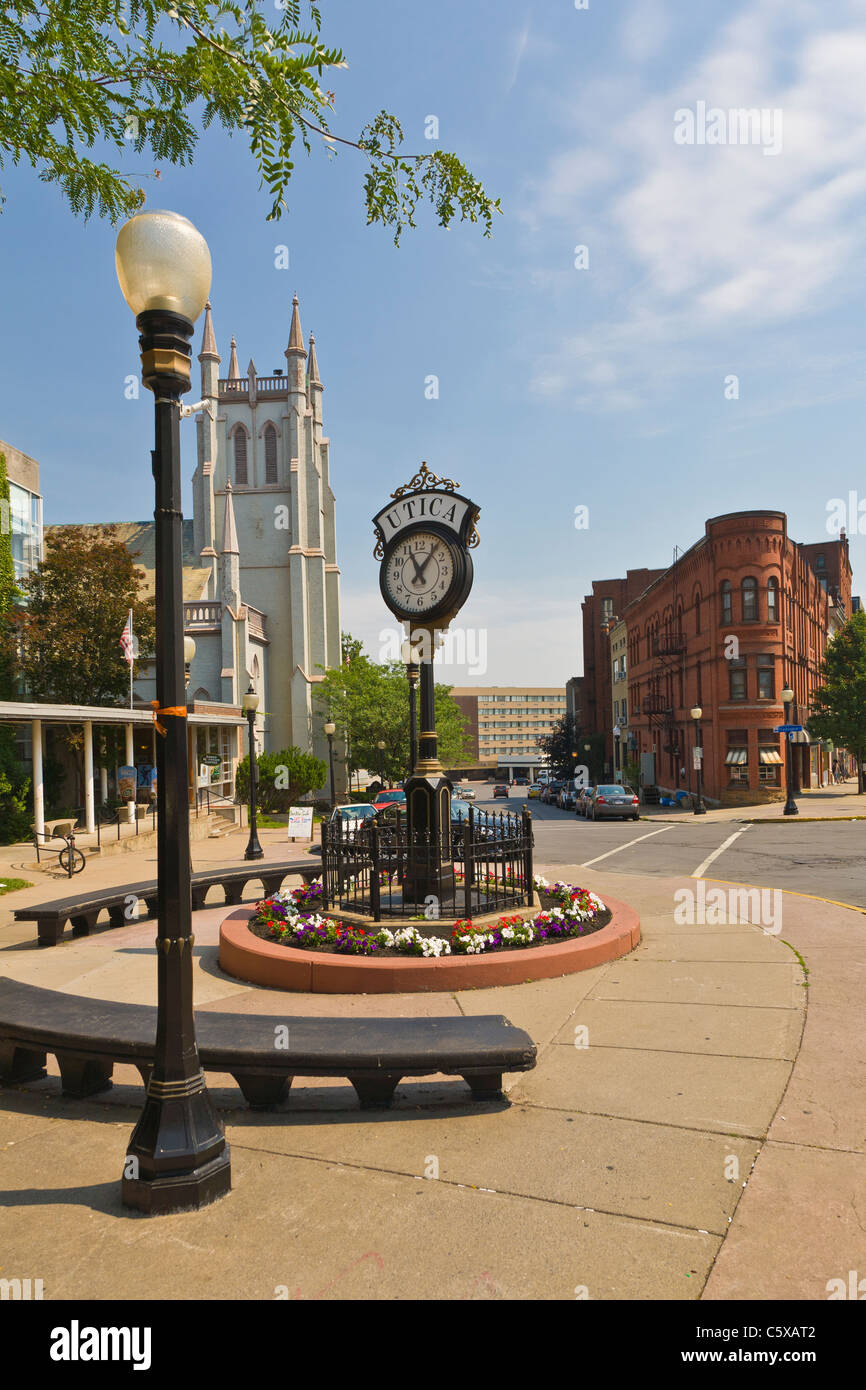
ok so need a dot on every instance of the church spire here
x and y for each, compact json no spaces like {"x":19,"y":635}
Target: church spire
{"x":230,"y":534}
{"x":296,"y":337}
{"x":234,"y":369}
{"x":208,"y":341}
{"x":313,"y":364}
{"x":315,"y":387}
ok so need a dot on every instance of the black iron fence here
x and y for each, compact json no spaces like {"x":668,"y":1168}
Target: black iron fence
{"x":379,"y":868}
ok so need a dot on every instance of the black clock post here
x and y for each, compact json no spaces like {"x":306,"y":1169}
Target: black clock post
{"x":423,"y":539}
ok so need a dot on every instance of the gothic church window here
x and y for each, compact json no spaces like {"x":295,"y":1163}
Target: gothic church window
{"x":270,"y":454}
{"x":240,"y":457}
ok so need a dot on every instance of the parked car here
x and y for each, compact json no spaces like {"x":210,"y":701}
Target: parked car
{"x":534,"y":791}
{"x":465,"y":793}
{"x":611,"y":801}
{"x":521,"y":781}
{"x":581,"y":800}
{"x":357,"y":811}
{"x":551,"y":792}
{"x":566,"y":799}
{"x":389,"y":797}
{"x":500,"y":790}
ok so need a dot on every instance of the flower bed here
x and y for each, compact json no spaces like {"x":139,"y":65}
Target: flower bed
{"x":293,"y":918}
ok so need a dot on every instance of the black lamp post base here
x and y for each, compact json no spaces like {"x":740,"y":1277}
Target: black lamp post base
{"x":700,"y":810}
{"x":791,"y":809}
{"x":254,"y":851}
{"x":187,"y":1191}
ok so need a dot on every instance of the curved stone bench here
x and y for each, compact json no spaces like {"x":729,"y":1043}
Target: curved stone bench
{"x":88,"y":1036}
{"x":261,"y":962}
{"x":83,"y":910}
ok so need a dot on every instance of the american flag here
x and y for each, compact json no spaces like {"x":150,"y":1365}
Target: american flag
{"x":126,"y":639}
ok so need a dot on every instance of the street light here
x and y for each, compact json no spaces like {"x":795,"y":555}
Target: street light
{"x":250,"y":704}
{"x":381,"y":746}
{"x":412,"y":662}
{"x":696,"y":712}
{"x":330,"y":730}
{"x":177,"y":1156}
{"x":791,"y":807}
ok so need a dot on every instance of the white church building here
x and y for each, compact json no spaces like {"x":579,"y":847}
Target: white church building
{"x":264,"y":541}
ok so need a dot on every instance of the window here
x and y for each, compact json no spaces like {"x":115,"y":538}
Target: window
{"x":727,"y":608}
{"x":766,"y":677}
{"x":270,"y":454}
{"x":821,"y":562}
{"x":606,"y":609}
{"x":240,"y":457}
{"x":770,"y":760}
{"x":737,"y":679}
{"x":749,"y":593}
{"x":772,"y":600}
{"x":737,"y":756}
{"x":697,"y":612}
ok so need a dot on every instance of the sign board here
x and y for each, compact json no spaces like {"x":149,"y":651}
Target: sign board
{"x":204,"y":775}
{"x":300,"y":823}
{"x":127,"y":783}
{"x":788,"y":729}
{"x":697,"y":757}
{"x":211,"y":760}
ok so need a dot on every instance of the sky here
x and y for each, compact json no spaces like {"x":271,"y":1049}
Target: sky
{"x":665,"y":325}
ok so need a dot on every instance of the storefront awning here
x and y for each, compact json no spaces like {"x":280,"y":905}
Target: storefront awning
{"x":769,"y":755}
{"x":737,"y":756}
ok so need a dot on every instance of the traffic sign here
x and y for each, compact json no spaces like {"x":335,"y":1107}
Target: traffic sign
{"x":788,"y":729}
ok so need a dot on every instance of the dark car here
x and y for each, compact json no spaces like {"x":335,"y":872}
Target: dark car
{"x":521,"y":781}
{"x":581,"y":799}
{"x":500,"y":790}
{"x":551,"y":792}
{"x":611,"y":801}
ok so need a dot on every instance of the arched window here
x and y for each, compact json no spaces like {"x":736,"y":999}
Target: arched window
{"x":201,"y":694}
{"x":772,"y":599}
{"x":749,"y":594}
{"x":241,"y":456}
{"x":727,"y":606}
{"x":270,"y":454}
{"x":697,"y":610}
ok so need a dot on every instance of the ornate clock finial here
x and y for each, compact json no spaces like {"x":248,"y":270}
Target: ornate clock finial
{"x":424,"y":480}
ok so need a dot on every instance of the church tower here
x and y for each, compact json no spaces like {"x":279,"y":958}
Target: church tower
{"x":264,"y":522}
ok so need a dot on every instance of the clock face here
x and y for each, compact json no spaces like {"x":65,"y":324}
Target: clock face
{"x":419,"y":572}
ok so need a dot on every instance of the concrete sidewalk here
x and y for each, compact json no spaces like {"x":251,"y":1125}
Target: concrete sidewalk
{"x":707,"y":1140}
{"x":822,"y":803}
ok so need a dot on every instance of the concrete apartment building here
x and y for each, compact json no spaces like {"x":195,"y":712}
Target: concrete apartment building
{"x":25,"y":509}
{"x":505,"y":723}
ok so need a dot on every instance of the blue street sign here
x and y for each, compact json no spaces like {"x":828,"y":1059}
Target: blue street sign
{"x":788,"y":729}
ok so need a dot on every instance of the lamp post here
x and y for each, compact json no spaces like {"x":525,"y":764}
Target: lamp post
{"x":177,"y":1156}
{"x":250,"y":704}
{"x":791,"y":807}
{"x":696,"y":712}
{"x":188,"y":658}
{"x":381,"y":747}
{"x":412,"y":663}
{"x":330,"y":730}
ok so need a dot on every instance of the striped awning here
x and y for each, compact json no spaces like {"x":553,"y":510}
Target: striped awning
{"x":769,"y":755}
{"x":800,"y":737}
{"x":737,"y":756}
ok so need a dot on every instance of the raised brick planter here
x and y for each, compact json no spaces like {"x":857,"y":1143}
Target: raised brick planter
{"x":248,"y":957}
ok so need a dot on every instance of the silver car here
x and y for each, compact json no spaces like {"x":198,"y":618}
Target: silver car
{"x":611,"y":801}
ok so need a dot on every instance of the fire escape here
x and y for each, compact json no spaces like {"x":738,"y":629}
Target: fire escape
{"x":668,"y":649}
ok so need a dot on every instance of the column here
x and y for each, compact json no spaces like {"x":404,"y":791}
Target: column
{"x":89,"y":810}
{"x":38,"y":789}
{"x":130,"y":762}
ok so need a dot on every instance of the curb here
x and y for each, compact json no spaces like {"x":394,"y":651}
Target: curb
{"x":250,"y":958}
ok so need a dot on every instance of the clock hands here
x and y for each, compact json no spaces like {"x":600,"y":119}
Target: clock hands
{"x":419,"y":569}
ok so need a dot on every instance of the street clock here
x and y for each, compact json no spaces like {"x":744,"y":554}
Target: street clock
{"x":423,"y":540}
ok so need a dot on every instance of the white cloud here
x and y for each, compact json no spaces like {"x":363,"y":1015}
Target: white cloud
{"x":713,"y":238}
{"x":645,"y":30}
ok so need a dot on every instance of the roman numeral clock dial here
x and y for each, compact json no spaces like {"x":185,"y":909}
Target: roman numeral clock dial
{"x":419,"y":573}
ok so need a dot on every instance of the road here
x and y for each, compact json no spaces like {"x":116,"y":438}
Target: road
{"x":826,"y":860}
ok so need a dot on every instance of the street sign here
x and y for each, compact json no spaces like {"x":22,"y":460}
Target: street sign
{"x":697,"y":755}
{"x":211,"y":760}
{"x":788,"y":729}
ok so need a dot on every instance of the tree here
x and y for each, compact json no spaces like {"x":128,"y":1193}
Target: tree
{"x":130,"y":73}
{"x":78,"y":600}
{"x":370,"y":702}
{"x":558,"y":746}
{"x":283,"y":778}
{"x":839,"y":705}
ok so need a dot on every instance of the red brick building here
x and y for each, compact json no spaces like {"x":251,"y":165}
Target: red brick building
{"x":740,"y":615}
{"x":608,"y":600}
